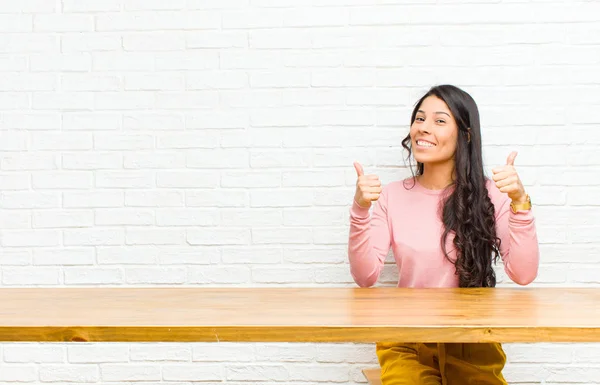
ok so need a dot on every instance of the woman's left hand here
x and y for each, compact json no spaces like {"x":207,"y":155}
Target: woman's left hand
{"x":508,"y":181}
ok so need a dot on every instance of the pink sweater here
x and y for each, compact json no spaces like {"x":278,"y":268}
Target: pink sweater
{"x":407,"y":220}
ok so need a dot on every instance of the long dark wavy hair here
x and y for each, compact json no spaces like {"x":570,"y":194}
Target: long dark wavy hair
{"x":467,"y":212}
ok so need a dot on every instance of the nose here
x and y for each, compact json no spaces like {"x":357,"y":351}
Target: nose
{"x":424,"y":128}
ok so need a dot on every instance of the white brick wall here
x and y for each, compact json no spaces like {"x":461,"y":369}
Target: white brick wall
{"x":197,"y":142}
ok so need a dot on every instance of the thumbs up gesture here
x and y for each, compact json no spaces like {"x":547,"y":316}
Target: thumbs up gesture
{"x":368,"y":187}
{"x":508,"y":181}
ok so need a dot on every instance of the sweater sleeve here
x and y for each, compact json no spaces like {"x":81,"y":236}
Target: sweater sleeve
{"x":369,"y":241}
{"x":519,"y":246}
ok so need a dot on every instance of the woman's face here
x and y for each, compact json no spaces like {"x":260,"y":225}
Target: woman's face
{"x":434,"y":132}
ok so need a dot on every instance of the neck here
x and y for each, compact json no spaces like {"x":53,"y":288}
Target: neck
{"x":437,"y":176}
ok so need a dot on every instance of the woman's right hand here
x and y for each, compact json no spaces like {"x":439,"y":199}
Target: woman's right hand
{"x":368,"y":187}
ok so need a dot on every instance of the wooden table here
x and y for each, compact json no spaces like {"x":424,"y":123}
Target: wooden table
{"x":300,"y":314}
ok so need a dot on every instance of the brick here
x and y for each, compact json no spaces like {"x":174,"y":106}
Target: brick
{"x":154,"y":198}
{"x":251,"y":255}
{"x":63,"y":23}
{"x":12,"y":181}
{"x":31,"y":238}
{"x":62,"y":141}
{"x":255,"y":372}
{"x":291,"y":38}
{"x":142,"y":5}
{"x":127,"y":100}
{"x":21,"y":43}
{"x":13,"y":141}
{"x":93,"y":199}
{"x":316,"y":254}
{"x":193,"y":61}
{"x":90,"y":41}
{"x":19,"y":353}
{"x":94,"y":237}
{"x":132,"y":255}
{"x":285,"y":352}
{"x":130,"y":372}
{"x":154,"y":82}
{"x":188,"y":255}
{"x":27,"y":276}
{"x":216,"y":198}
{"x":154,"y":160}
{"x":158,"y":20}
{"x":188,"y":140}
{"x":63,"y":180}
{"x":98,"y":353}
{"x":152,"y":121}
{"x":223,"y":351}
{"x":29,"y":200}
{"x":312,"y":178}
{"x":255,"y":18}
{"x":64,"y":256}
{"x":13,"y":100}
{"x":290,"y":274}
{"x":28,"y":161}
{"x":155,"y":236}
{"x":284,"y":235}
{"x":343,"y":353}
{"x":217,"y":39}
{"x":187,"y":179}
{"x":539,"y":353}
{"x":319,"y":373}
{"x":92,"y":161}
{"x":62,"y":218}
{"x":218,"y":236}
{"x":187,"y":100}
{"x":89,"y":82}
{"x":15,"y":257}
{"x":164,"y":352}
{"x":281,"y":198}
{"x":209,"y":80}
{"x":120,"y":61}
{"x":251,"y":217}
{"x":265,"y":158}
{"x":28,"y":6}
{"x":20,"y":373}
{"x":187,"y":217}
{"x":124,"y":217}
{"x":219,"y":275}
{"x":156,"y":276}
{"x":218,"y":158}
{"x":125,"y":179}
{"x":93,"y":276}
{"x":15,"y":23}
{"x":333,"y":274}
{"x":196,"y":372}
{"x":73,"y":62}
{"x":249,"y":179}
{"x":84,"y":6}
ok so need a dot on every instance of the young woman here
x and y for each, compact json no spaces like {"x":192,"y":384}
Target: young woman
{"x":446,"y":226}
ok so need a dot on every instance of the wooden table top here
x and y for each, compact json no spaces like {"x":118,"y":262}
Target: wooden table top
{"x":300,"y":314}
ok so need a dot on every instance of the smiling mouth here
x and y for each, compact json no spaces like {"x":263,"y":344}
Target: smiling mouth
{"x":424,"y":143}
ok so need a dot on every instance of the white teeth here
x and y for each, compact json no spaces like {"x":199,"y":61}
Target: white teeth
{"x":424,"y":144}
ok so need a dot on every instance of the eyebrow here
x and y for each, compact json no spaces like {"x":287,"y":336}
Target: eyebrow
{"x":437,"y":112}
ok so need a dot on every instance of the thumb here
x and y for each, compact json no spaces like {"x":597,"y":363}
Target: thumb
{"x":359,"y":169}
{"x":510,"y":161}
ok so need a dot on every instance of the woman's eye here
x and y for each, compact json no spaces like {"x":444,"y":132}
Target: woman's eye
{"x":441,"y":121}
{"x":420,"y":119}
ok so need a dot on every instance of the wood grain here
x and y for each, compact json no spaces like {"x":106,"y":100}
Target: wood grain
{"x":300,"y":314}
